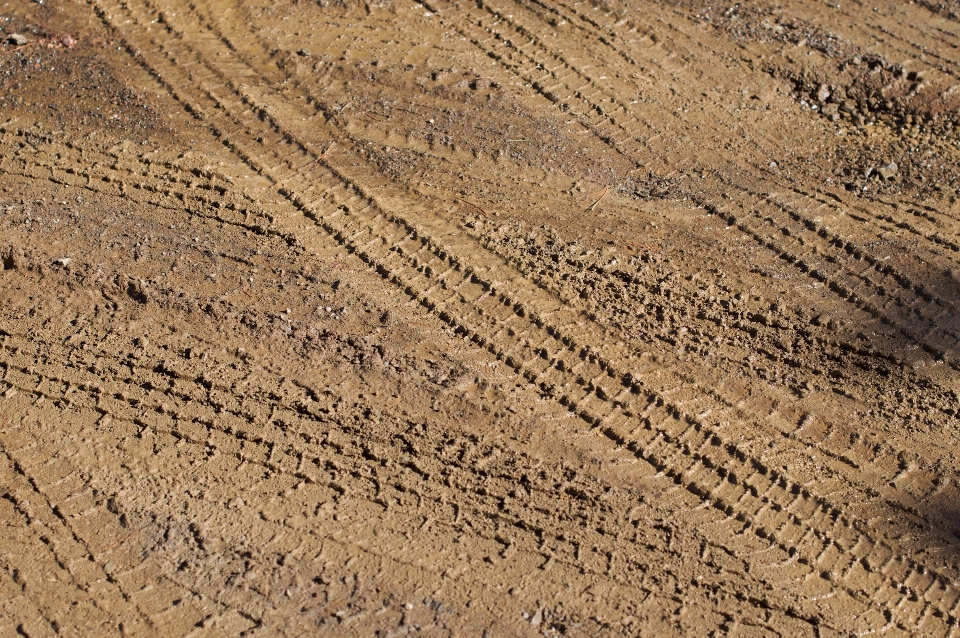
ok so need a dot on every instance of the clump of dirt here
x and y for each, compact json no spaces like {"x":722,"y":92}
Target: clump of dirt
{"x":69,"y":78}
{"x":858,"y":88}
{"x":850,"y":85}
{"x":918,"y":124}
{"x":864,"y":88}
{"x":767,"y":23}
{"x":947,"y":8}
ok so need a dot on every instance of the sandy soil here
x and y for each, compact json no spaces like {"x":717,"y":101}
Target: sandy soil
{"x":501,"y":317}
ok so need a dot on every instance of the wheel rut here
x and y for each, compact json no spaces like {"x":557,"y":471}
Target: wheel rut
{"x":565,"y":320}
{"x":524,"y":61}
{"x":543,"y":342}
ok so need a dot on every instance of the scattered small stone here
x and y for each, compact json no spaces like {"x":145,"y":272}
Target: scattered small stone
{"x":304,"y":53}
{"x":888,"y":172}
{"x":63,"y":261}
{"x":16,"y":39}
{"x":824,"y":93}
{"x":14,"y":258}
{"x":68,"y":42}
{"x":537,"y":618}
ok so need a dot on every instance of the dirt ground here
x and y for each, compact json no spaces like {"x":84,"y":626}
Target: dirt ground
{"x":479,"y":318}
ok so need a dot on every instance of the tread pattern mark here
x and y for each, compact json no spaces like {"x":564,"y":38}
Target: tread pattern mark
{"x":421,"y":278}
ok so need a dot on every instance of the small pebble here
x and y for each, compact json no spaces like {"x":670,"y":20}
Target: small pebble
{"x":889,"y":171}
{"x":16,"y":39}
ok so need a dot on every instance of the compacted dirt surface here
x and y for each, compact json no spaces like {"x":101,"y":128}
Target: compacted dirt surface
{"x":479,"y":318}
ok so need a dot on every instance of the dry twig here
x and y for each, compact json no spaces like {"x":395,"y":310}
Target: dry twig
{"x":49,"y":42}
{"x":471,"y":206}
{"x":602,"y":193}
{"x":323,"y":155}
{"x":329,"y":148}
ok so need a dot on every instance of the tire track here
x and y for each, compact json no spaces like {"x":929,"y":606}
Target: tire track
{"x":227,"y":392}
{"x":897,"y":469}
{"x":136,"y":417}
{"x":87,"y":538}
{"x":18,"y":611}
{"x":19,"y":581}
{"x":283,"y":446}
{"x":837,"y":285}
{"x":854,"y":287}
{"x":911,"y":43}
{"x":356,"y":235}
{"x":935,"y":306}
{"x":143,"y":428}
{"x":839,"y":282}
{"x":608,"y":35}
{"x":220,"y":37}
{"x":895,"y":463}
{"x":209,"y":204}
{"x":626,"y":122}
{"x":95,"y":594}
{"x":202,"y":431}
